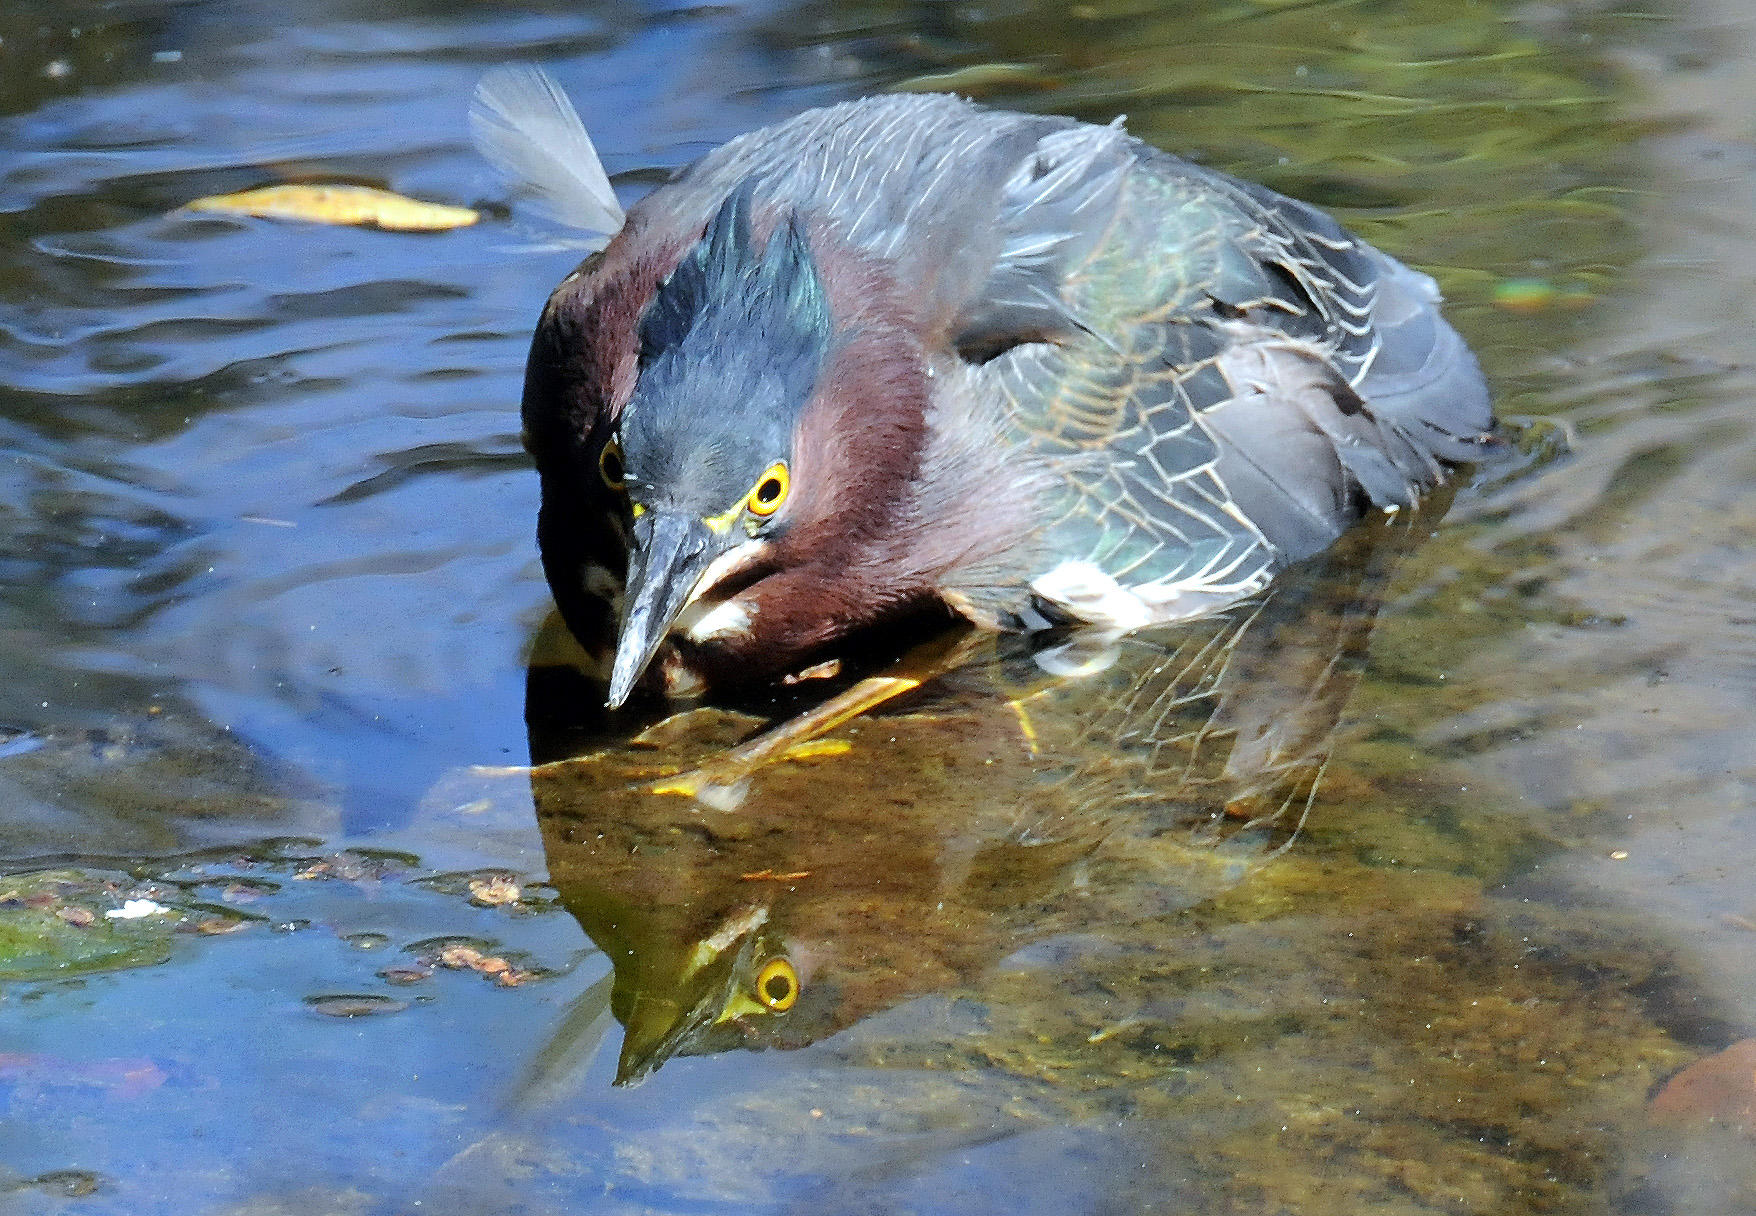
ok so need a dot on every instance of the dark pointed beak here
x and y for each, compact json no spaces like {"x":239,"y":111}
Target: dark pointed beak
{"x":670,"y":553}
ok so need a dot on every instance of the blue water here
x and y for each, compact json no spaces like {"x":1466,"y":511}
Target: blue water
{"x":269,"y":593}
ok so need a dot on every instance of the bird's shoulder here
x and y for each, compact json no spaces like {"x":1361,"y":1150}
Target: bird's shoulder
{"x":1001,"y":226}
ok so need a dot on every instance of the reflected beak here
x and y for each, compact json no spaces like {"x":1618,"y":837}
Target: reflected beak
{"x":666,"y":1023}
{"x":677,"y":1000}
{"x":669,"y":555}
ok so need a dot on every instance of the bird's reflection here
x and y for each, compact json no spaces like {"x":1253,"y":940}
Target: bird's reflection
{"x":1017,"y":797}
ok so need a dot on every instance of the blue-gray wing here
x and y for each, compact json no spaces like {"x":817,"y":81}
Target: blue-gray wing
{"x":1222,"y":378}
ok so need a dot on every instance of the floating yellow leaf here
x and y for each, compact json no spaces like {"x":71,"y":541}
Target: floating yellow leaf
{"x":357,"y":205}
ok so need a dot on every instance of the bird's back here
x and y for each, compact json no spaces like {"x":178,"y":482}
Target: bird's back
{"x":1211,"y":378}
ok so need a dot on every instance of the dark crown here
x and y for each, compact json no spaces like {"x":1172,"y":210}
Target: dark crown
{"x":730,"y":350}
{"x":729,"y":287}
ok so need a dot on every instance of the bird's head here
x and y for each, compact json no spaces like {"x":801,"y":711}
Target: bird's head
{"x":731,"y":348}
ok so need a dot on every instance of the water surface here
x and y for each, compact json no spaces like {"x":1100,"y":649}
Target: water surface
{"x":1398,"y":891}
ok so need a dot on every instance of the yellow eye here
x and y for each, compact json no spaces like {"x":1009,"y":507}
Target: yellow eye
{"x":770,"y":491}
{"x":610,"y":467}
{"x":777,"y":985}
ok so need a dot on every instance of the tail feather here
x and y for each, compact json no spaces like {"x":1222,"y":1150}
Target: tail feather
{"x":1302,"y":451}
{"x":1424,"y":386}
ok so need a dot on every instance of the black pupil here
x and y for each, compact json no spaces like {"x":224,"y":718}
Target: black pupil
{"x":777,"y":988}
{"x":613,"y":464}
{"x":768,"y":491}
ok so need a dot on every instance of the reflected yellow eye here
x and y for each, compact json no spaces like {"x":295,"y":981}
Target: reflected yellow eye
{"x":770,"y":490}
{"x":610,"y":467}
{"x":777,"y":985}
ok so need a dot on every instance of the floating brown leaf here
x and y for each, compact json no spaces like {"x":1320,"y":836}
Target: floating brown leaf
{"x":1720,"y":1088}
{"x":494,"y":890}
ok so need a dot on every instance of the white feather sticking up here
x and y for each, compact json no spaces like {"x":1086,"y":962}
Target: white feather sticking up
{"x":527,"y":129}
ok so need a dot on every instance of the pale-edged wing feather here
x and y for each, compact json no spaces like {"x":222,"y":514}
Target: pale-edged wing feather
{"x":1252,"y":374}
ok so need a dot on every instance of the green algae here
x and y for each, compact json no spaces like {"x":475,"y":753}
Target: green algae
{"x":53,"y":924}
{"x":1336,"y":1038}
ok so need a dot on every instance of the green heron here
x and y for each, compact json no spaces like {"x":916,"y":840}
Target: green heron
{"x":909,"y":353}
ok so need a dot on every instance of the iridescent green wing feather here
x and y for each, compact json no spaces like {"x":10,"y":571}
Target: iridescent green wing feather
{"x":1208,"y":400}
{"x":1115,"y":404}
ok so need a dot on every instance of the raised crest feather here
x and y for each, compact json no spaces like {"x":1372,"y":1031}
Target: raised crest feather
{"x":526,"y":128}
{"x":730,"y":350}
{"x":774,"y":292}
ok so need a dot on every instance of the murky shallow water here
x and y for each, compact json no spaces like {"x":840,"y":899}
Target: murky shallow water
{"x":269,"y":593}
